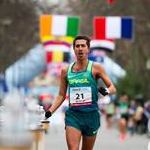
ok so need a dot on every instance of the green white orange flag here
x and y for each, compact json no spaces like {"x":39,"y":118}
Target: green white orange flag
{"x":57,"y":25}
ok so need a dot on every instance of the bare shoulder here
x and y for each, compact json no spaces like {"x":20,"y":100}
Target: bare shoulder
{"x":98,"y":70}
{"x":97,"y":66}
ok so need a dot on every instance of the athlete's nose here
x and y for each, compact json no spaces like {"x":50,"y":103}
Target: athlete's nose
{"x":80,"y":46}
{"x":80,"y":50}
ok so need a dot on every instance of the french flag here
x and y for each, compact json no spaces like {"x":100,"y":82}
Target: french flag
{"x":113,"y":27}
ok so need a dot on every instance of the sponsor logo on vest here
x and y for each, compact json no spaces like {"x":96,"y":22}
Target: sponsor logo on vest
{"x":94,"y":132}
{"x":72,"y":81}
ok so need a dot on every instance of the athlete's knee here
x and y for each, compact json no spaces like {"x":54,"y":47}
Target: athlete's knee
{"x":73,"y":147}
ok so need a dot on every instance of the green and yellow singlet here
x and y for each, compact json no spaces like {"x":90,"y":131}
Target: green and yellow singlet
{"x":83,"y":89}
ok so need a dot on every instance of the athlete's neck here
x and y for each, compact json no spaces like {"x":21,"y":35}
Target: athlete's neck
{"x":81,"y":63}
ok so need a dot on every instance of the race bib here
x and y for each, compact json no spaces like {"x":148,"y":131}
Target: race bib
{"x":80,"y":96}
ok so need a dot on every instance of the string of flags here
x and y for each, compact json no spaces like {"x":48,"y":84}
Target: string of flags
{"x":57,"y":33}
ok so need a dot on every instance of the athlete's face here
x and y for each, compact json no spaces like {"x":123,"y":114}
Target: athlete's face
{"x":81,"y":49}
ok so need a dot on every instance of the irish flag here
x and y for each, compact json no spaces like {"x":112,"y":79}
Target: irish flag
{"x":57,"y":25}
{"x":113,"y":27}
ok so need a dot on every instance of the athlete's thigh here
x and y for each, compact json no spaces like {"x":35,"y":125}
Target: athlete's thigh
{"x":88,"y":142}
{"x":73,"y":137}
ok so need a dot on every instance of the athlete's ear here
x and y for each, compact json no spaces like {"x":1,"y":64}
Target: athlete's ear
{"x":90,"y":50}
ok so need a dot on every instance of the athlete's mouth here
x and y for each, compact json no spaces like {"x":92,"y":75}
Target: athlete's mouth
{"x":80,"y":53}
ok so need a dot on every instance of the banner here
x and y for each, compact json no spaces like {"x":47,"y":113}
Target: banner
{"x":57,"y":56}
{"x":113,"y":27}
{"x":57,"y":25}
{"x":105,"y":45}
{"x":66,"y":39}
{"x":52,"y":44}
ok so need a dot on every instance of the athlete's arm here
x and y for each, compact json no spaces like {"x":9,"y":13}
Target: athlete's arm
{"x":62,"y":91}
{"x":99,"y":73}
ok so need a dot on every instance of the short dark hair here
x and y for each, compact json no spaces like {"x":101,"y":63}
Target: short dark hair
{"x":82,"y":37}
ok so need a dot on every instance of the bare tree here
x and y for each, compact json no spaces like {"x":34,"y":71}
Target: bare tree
{"x":19,"y":28}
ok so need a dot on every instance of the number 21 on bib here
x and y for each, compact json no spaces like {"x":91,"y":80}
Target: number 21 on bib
{"x":80,"y":96}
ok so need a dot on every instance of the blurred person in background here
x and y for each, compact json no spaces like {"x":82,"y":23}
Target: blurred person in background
{"x":146,"y":116}
{"x":131,"y":122}
{"x":82,"y":119}
{"x":110,"y":110}
{"x":139,"y":116}
{"x":124,"y":116}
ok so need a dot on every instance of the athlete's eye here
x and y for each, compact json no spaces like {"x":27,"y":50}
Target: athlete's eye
{"x":80,"y":45}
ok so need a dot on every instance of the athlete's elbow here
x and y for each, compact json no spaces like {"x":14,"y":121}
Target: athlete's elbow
{"x":114,"y":90}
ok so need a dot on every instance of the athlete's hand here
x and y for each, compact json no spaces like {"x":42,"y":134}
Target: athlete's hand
{"x":103,"y":91}
{"x":48,"y":114}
